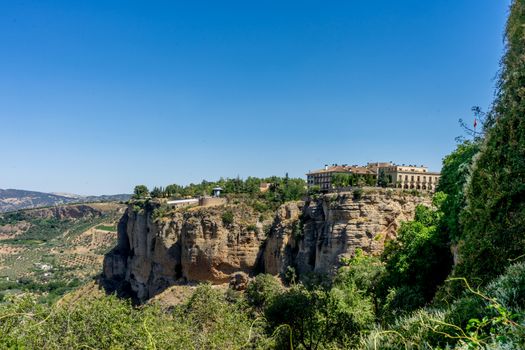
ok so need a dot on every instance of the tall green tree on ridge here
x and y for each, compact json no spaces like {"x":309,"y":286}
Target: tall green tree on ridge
{"x":494,"y":218}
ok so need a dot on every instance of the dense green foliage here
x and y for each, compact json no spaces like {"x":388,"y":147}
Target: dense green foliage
{"x":339,"y":316}
{"x":248,"y":191}
{"x":140,"y":191}
{"x":321,"y":318}
{"x":454,"y":175}
{"x":494,"y":218}
{"x":41,"y":229}
{"x":262,"y":290}
{"x":227,"y":218}
{"x":418,"y":261}
{"x":281,"y":189}
{"x":493,"y":318}
{"x":345,"y":180}
{"x":205,"y":321}
{"x":48,"y":291}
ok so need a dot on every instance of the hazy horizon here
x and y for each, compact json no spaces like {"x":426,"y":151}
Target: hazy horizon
{"x":100,"y":96}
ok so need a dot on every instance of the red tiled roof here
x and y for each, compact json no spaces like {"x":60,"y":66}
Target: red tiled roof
{"x":343,"y":169}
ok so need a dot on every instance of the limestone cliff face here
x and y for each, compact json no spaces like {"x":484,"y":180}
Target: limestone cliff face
{"x":316,"y":235}
{"x":196,"y":244}
{"x":199,"y":244}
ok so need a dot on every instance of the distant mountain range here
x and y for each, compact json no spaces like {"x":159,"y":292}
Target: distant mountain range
{"x":11,"y":199}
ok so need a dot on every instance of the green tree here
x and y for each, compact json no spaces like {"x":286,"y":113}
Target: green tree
{"x":284,"y":190}
{"x":364,"y":271}
{"x":262,"y":290}
{"x":317,"y":318}
{"x":418,"y":261}
{"x":454,"y":174}
{"x":494,"y":218}
{"x":158,"y":192}
{"x":140,"y":192}
{"x":382,"y":179}
{"x":173,"y":190}
{"x":341,"y":180}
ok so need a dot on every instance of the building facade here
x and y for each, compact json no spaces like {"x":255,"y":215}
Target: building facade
{"x":411,"y":177}
{"x":323,"y":177}
{"x":398,"y":176}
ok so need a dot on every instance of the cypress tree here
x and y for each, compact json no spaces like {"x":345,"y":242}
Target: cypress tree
{"x":494,"y":218}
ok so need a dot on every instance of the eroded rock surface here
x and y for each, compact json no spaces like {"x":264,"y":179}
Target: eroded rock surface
{"x":196,"y":244}
{"x":314,"y":237}
{"x":199,"y":244}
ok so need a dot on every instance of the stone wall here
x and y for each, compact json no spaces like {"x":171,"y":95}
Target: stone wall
{"x":211,"y":201}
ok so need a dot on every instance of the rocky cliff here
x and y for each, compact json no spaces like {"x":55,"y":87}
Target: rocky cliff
{"x":315,"y":236}
{"x":188,"y":244}
{"x":213,"y":243}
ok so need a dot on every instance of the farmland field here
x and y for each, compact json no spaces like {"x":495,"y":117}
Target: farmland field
{"x":51,"y":251}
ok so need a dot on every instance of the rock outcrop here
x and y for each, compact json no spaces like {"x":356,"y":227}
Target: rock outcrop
{"x":217,"y":243}
{"x":316,"y":235}
{"x":192,"y":244}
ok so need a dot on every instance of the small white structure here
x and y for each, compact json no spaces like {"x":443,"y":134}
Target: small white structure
{"x":217,"y":192}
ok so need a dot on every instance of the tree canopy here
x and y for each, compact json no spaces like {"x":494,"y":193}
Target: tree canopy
{"x":494,"y":219}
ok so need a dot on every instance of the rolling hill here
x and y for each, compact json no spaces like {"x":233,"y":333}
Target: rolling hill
{"x":13,"y":199}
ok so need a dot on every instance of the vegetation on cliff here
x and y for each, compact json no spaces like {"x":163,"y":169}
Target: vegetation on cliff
{"x":494,"y":217}
{"x":279,"y":190}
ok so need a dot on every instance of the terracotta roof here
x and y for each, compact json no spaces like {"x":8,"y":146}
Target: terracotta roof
{"x":343,"y":169}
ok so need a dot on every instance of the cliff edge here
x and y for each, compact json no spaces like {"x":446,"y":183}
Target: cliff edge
{"x":213,"y":243}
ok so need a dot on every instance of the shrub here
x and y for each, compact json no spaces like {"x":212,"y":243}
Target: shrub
{"x":364,"y":270}
{"x":262,"y":289}
{"x":206,"y":321}
{"x":260,"y":206}
{"x":227,"y":218}
{"x":400,"y":301}
{"x":492,"y":318}
{"x":251,"y":228}
{"x":357,"y":194}
{"x":321,"y":318}
{"x":509,"y":288}
{"x":298,"y":229}
{"x":415,"y":331}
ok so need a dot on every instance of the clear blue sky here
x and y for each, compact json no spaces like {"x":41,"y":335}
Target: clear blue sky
{"x":97,"y":96}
